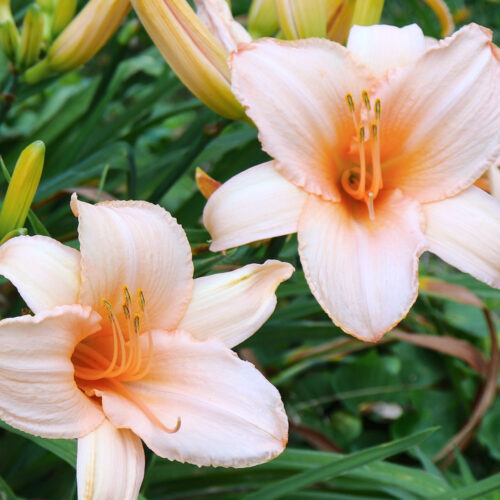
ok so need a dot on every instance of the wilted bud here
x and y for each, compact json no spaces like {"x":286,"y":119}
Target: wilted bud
{"x":64,"y":11}
{"x":86,"y":34}
{"x":302,"y":18}
{"x":263,"y":18}
{"x":194,"y":51}
{"x":206,"y":184}
{"x":22,"y":188}
{"x":9,"y":39}
{"x":31,"y":37}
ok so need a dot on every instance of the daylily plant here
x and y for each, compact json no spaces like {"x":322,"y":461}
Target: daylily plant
{"x":124,"y":345}
{"x":376,"y":147}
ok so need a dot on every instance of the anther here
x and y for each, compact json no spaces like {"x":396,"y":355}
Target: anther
{"x":142,"y":300}
{"x":378,"y":107}
{"x":362,"y":134}
{"x":366,"y":100}
{"x":137,"y":324}
{"x":126,"y":294}
{"x":126,"y":311}
{"x":350,"y":102}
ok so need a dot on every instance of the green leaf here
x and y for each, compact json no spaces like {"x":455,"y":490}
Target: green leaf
{"x":476,"y":490}
{"x":304,"y":479}
{"x":63,"y":448}
{"x":5,"y":492}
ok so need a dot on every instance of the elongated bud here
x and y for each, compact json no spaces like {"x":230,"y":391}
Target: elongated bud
{"x":443,"y":14}
{"x":339,"y":13}
{"x":302,"y":18}
{"x":263,"y":18}
{"x":46,"y":5}
{"x":22,"y":188}
{"x":5,"y":11}
{"x":206,"y":184}
{"x":86,"y":34}
{"x":192,"y":51}
{"x":31,"y":37}
{"x":9,"y":39}
{"x":367,"y":12}
{"x":64,"y":11}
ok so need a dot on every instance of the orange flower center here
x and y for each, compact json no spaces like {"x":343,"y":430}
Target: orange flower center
{"x":361,"y":182}
{"x":120,"y":355}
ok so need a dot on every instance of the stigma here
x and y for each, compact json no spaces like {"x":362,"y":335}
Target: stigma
{"x":364,"y":182}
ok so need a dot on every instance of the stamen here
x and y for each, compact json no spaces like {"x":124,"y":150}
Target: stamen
{"x":366,"y":100}
{"x":371,"y":209}
{"x":376,"y":184}
{"x":378,"y":107}
{"x":350,"y":104}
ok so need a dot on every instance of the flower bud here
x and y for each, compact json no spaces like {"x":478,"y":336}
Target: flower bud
{"x":5,"y":12}
{"x":367,"y":12}
{"x":192,"y":50}
{"x":302,"y":18}
{"x":31,"y":37}
{"x":206,"y":184}
{"x":86,"y":34}
{"x":22,"y":188}
{"x":64,"y":11}
{"x":263,"y":18}
{"x":9,"y":39}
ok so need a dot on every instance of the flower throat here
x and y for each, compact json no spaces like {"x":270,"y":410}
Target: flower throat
{"x":360,"y":182}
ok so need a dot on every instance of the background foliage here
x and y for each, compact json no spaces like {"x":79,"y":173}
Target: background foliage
{"x":124,"y":126}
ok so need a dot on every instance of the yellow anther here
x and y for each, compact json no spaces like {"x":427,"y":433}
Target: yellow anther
{"x":142,"y":300}
{"x":362,"y":134}
{"x":108,"y":306}
{"x":366,"y":100}
{"x":378,"y":107}
{"x":137,"y":324}
{"x":350,"y":102}
{"x":374,"y":130}
{"x":126,"y":294}
{"x":126,"y":311}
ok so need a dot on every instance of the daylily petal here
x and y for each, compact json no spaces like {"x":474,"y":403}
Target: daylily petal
{"x":253,"y":205}
{"x":232,"y":306}
{"x":362,"y":272}
{"x":383,"y":47}
{"x":216,"y":16}
{"x":440,"y":125}
{"x":140,"y":245}
{"x":230,"y":414}
{"x":295,"y":92}
{"x":45,"y":272}
{"x":465,"y":231}
{"x":110,"y":464}
{"x":38,"y":393}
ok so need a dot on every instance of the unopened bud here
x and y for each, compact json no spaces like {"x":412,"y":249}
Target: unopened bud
{"x":87,"y":33}
{"x":194,"y":51}
{"x":31,"y":37}
{"x":263,"y":18}
{"x":22,"y":188}
{"x":5,"y":12}
{"x":9,"y":39}
{"x":367,"y":12}
{"x":302,"y":18}
{"x":206,"y":184}
{"x":64,"y":11}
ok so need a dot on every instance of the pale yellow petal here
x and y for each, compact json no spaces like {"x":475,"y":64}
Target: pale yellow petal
{"x":363,"y":272}
{"x":464,"y":230}
{"x":230,"y":415}
{"x":110,"y":464}
{"x":138,"y":245}
{"x":232,"y":306}
{"x":254,"y":205}
{"x":38,"y":393}
{"x":45,"y":272}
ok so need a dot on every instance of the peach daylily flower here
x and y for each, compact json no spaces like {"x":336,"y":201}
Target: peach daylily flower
{"x":376,"y":147}
{"x":125,"y":345}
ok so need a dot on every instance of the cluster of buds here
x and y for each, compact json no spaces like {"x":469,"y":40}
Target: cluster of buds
{"x":52,"y":40}
{"x":21,"y":190}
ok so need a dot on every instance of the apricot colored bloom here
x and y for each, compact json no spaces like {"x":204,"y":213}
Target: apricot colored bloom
{"x":125,"y":345}
{"x":376,"y":147}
